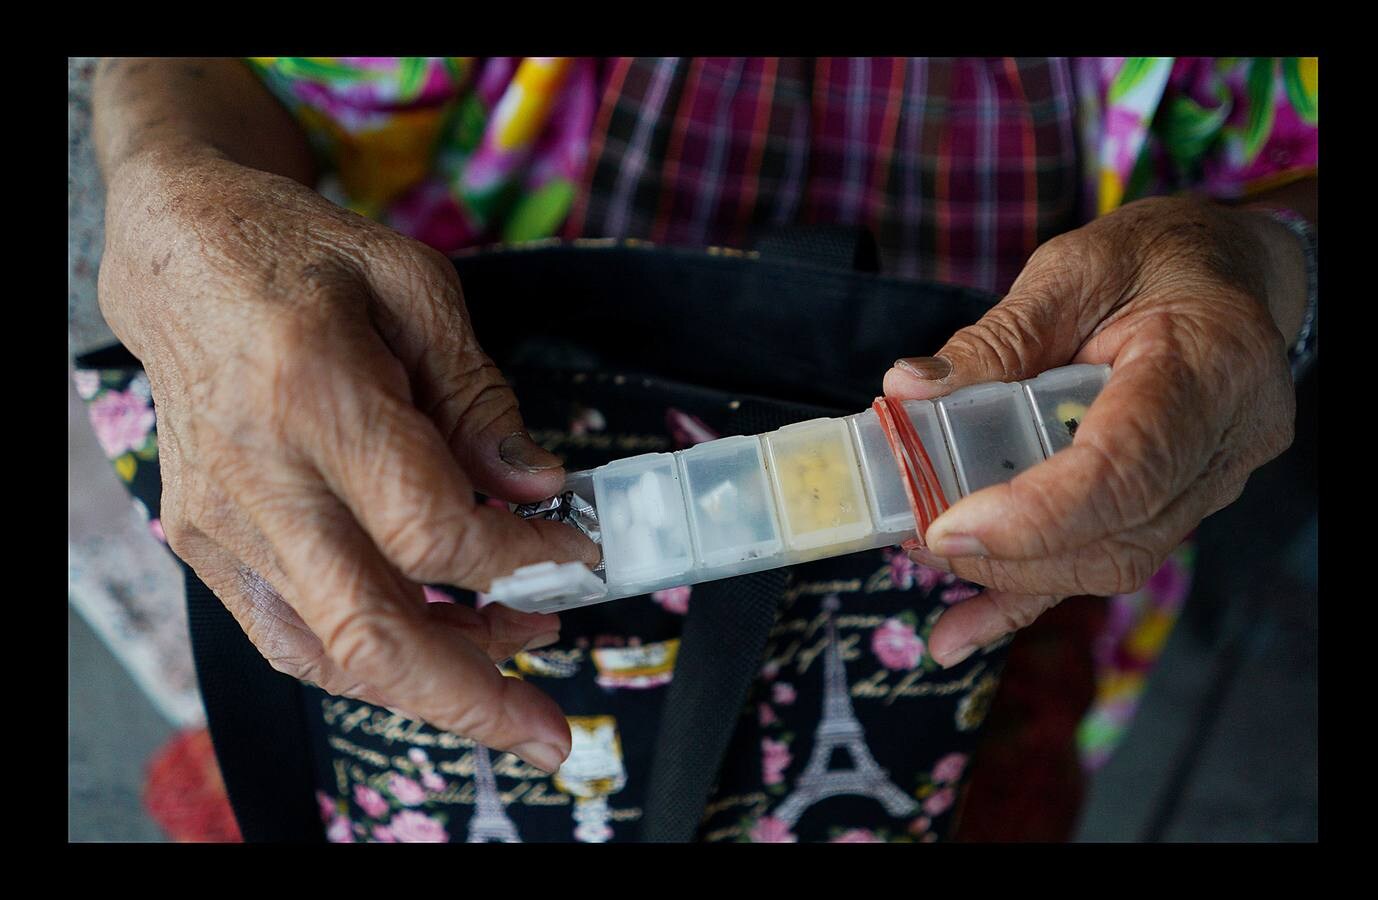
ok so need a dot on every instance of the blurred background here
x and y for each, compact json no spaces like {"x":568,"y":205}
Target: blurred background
{"x":1224,"y":747}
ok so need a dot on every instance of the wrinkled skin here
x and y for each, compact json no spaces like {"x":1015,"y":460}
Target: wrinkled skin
{"x":325,"y":415}
{"x":1174,"y":294}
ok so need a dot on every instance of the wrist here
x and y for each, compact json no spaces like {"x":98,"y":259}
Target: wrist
{"x":151,"y":197}
{"x":1284,"y":262}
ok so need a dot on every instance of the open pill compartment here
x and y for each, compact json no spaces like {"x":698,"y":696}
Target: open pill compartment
{"x":806,"y":491}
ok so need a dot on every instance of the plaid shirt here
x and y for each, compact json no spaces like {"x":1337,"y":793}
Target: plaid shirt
{"x":960,"y":167}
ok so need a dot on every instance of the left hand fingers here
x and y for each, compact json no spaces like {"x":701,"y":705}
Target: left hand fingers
{"x":499,"y":631}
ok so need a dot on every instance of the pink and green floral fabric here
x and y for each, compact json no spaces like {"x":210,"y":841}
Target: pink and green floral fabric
{"x":452,"y":151}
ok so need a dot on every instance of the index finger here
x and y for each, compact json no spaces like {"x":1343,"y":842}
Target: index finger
{"x":372,"y":622}
{"x":387,"y":462}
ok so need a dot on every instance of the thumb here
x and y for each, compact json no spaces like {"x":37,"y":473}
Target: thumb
{"x":455,"y":383}
{"x":1039,"y":325}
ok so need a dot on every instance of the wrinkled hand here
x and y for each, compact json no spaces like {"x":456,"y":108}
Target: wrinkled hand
{"x":1173,"y":293}
{"x":325,"y":415}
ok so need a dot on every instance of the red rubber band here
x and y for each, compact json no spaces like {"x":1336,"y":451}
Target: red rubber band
{"x":920,"y":480}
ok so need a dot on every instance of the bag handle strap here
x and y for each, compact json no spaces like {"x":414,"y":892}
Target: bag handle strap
{"x":257,"y":723}
{"x":729,"y":621}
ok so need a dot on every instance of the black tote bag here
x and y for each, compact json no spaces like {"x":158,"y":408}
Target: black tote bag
{"x":790,"y":332}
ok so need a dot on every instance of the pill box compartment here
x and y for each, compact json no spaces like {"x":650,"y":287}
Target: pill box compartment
{"x":924,"y":415}
{"x":991,"y":433}
{"x":1060,"y":398}
{"x":732,"y":514}
{"x":817,"y":481}
{"x":890,"y":510}
{"x":644,"y":527}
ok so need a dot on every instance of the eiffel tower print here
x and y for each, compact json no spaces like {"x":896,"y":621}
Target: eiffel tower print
{"x":839,"y":729}
{"x":489,"y":822}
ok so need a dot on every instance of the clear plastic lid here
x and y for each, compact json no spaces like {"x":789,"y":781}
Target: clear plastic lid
{"x":991,"y":434}
{"x":889,"y":503}
{"x":645,"y":530}
{"x":817,"y":482}
{"x":1060,"y":398}
{"x":731,"y":512}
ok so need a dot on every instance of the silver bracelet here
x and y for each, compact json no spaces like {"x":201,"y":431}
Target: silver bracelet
{"x":1302,"y":351}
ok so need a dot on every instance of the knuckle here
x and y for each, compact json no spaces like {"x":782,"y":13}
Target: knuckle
{"x":477,"y":720}
{"x":1037,"y":504}
{"x":1136,"y":489}
{"x":180,"y":535}
{"x":996,"y":346}
{"x":365,"y":641}
{"x":423,"y":548}
{"x":1125,"y":567}
{"x":1016,"y":612}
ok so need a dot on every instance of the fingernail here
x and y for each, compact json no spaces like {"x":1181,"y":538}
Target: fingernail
{"x":541,"y":640}
{"x":546,"y":757}
{"x":950,"y":545}
{"x":929,"y":368}
{"x":959,"y":655}
{"x":924,"y":558}
{"x":520,"y":452}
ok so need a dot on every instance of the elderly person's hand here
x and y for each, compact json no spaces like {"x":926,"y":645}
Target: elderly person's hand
{"x":325,"y":416}
{"x":1189,"y":302}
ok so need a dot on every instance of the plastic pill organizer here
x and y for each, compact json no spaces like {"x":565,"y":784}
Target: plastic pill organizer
{"x":806,"y":491}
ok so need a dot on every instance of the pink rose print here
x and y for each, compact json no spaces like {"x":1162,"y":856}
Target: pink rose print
{"x":418,"y":756}
{"x":370,"y":801}
{"x":87,"y":382}
{"x":326,"y":806}
{"x":896,"y":645}
{"x":122,"y":421}
{"x":433,"y":782}
{"x":782,"y":693}
{"x":905,"y":573}
{"x":340,"y":831}
{"x":940,"y":802}
{"x":920,"y":825}
{"x":949,"y":769}
{"x":901,"y":570}
{"x":775,"y":759}
{"x":928,"y":577}
{"x":770,"y":830}
{"x":383,"y":834}
{"x":856,"y":836}
{"x":766,"y":715}
{"x":407,"y":792}
{"x":687,"y":430}
{"x":587,"y":420}
{"x":156,"y":527}
{"x":1169,"y":583}
{"x":770,"y":670}
{"x":412,"y":827}
{"x":675,"y":599}
{"x":959,"y":592}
